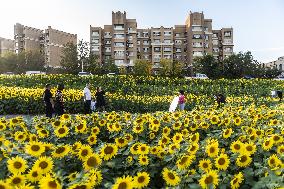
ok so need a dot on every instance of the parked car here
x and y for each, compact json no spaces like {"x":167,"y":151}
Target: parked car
{"x":84,"y":74}
{"x":111,"y":74}
{"x":279,"y":78}
{"x":34,"y":72}
{"x":198,"y":76}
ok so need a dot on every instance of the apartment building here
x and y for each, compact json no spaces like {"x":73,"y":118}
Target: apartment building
{"x":49,"y":41}
{"x":124,"y":42}
{"x":6,"y":45}
{"x":278,"y":64}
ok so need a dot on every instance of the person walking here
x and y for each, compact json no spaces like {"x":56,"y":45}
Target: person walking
{"x":100,"y":99}
{"x":87,"y":99}
{"x":59,"y":104}
{"x":48,"y":101}
{"x":181,"y":100}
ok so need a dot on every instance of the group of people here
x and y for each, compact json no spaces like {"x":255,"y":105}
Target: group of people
{"x":56,"y":104}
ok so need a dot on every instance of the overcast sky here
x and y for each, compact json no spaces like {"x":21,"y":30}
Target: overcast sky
{"x":258,"y":24}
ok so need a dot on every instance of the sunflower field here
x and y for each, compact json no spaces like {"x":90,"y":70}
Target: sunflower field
{"x":228,"y":147}
{"x":22,"y":94}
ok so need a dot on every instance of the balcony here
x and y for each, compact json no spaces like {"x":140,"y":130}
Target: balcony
{"x":197,"y":54}
{"x":107,"y":36}
{"x":227,"y":42}
{"x":131,"y":31}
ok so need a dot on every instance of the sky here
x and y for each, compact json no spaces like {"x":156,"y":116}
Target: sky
{"x":258,"y":24}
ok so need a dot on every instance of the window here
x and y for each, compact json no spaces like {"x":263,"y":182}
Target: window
{"x":96,"y":41}
{"x":167,"y":33}
{"x":196,"y":28}
{"x":119,"y":62}
{"x":145,"y":42}
{"x":95,"y":33}
{"x":138,"y":42}
{"x":119,"y":44}
{"x":108,"y":49}
{"x":157,"y":49}
{"x":108,"y":42}
{"x":206,"y":37}
{"x":157,"y":33}
{"x":227,"y":34}
{"x":167,"y":49}
{"x":108,"y":57}
{"x":119,"y":27}
{"x":178,"y":50}
{"x":95,"y":48}
{"x":131,"y":53}
{"x":167,"y":41}
{"x":197,"y":44}
{"x":145,"y":49}
{"x":119,"y":36}
{"x":196,"y":36}
{"x":197,"y":53}
{"x":119,"y":53}
{"x":215,"y":42}
{"x":228,"y":49}
{"x":107,"y":34}
{"x":215,"y":35}
{"x":157,"y":41}
{"x":178,"y":42}
{"x":215,"y":49}
{"x":177,"y":34}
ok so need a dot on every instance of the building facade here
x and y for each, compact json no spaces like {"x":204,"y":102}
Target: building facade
{"x":279,"y":64}
{"x":6,"y":45}
{"x":124,"y":42}
{"x":50,"y":42}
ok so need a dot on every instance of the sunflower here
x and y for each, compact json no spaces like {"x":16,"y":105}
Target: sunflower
{"x":173,"y":148}
{"x":154,"y":150}
{"x":238,"y":121}
{"x":56,"y":123}
{"x":95,"y":130}
{"x":177,"y":125}
{"x":171,"y":177}
{"x":152,"y":136}
{"x":17,"y":165}
{"x":92,"y":139}
{"x":209,"y":180}
{"x":4,"y":185}
{"x":193,"y":148}
{"x":143,"y":160}
{"x":134,"y":148}
{"x":102,"y":122}
{"x":35,"y":148}
{"x":84,"y":151}
{"x":164,"y":140}
{"x":237,"y":146}
{"x":17,"y":180}
{"x":166,"y":131}
{"x":267,"y":144}
{"x":222,"y":162}
{"x":277,"y":139}
{"x":2,"y":128}
{"x":80,"y":185}
{"x":280,"y":149}
{"x":43,"y":164}
{"x":237,"y":180}
{"x":138,"y":128}
{"x":193,"y":127}
{"x":143,"y":149}
{"x":274,"y":161}
{"x":34,"y":175}
{"x":194,"y":138}
{"x":250,"y":148}
{"x":81,"y":127}
{"x":155,"y":122}
{"x":204,"y":125}
{"x":61,"y":131}
{"x":227,"y":132}
{"x":20,"y":136}
{"x":127,"y":116}
{"x":184,"y":162}
{"x":123,"y":182}
{"x":177,"y":138}
{"x":141,"y":180}
{"x":75,"y":147}
{"x":243,"y":160}
{"x":92,"y":161}
{"x":61,"y":151}
{"x":73,"y":176}
{"x":108,"y":151}
{"x":227,"y":121}
{"x":212,"y":149}
{"x":205,"y":165}
{"x":48,"y":182}
{"x":214,"y":119}
{"x":43,"y":133}
{"x":65,"y":117}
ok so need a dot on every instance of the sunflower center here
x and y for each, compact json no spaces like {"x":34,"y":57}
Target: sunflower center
{"x":121,"y":140}
{"x":17,"y":165}
{"x":192,"y":148}
{"x":60,"y":150}
{"x":164,"y":140}
{"x":143,"y":148}
{"x":171,"y":176}
{"x":108,"y":150}
{"x":84,"y":152}
{"x":235,"y":181}
{"x":237,"y":146}
{"x":21,"y":136}
{"x":43,"y":131}
{"x":208,"y":180}
{"x":205,"y":165}
{"x":243,"y":159}
{"x":227,"y":132}
{"x":92,"y":162}
{"x":138,"y":128}
{"x":221,"y":161}
{"x":141,"y":179}
{"x":17,"y":180}
{"x":61,"y":131}
{"x":183,"y":160}
{"x":212,"y":150}
{"x":177,"y":138}
{"x":79,"y":127}
{"x":122,"y":185}
{"x":276,"y":138}
{"x":267,"y":143}
{"x":43,"y":165}
{"x":249,"y":148}
{"x":52,"y":184}
{"x":272,"y":161}
{"x":34,"y":174}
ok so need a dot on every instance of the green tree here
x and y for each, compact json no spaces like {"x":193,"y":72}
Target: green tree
{"x":69,"y":59}
{"x":109,"y":67}
{"x":92,"y":65}
{"x":166,"y":67}
{"x":83,"y":55}
{"x":178,"y":68}
{"x":34,"y":61}
{"x":142,"y":67}
{"x":209,"y":66}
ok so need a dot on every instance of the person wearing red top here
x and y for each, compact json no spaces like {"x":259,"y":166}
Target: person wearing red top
{"x":181,"y":100}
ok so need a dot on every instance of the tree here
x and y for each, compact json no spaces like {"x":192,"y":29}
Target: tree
{"x":166,"y":67}
{"x":83,"y":53}
{"x":209,"y":66}
{"x":142,"y":67}
{"x":92,"y":64}
{"x":69,"y":59}
{"x":34,"y":61}
{"x":177,"y":68}
{"x":109,"y":67}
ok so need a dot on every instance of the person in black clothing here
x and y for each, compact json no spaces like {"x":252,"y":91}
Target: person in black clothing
{"x":220,"y":99}
{"x":280,"y":95}
{"x":48,"y":101}
{"x":100,"y":99}
{"x":59,"y":105}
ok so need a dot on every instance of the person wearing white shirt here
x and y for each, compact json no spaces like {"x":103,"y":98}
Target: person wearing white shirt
{"x":87,"y":99}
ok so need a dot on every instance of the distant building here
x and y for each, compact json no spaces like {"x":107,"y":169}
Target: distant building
{"x":124,"y":42}
{"x":279,"y":64}
{"x":6,"y":45}
{"x":50,"y":42}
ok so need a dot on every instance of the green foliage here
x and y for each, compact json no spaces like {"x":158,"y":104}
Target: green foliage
{"x":69,"y":59}
{"x":209,"y":66}
{"x":142,"y":67}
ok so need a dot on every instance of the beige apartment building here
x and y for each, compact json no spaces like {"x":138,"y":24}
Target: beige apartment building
{"x":49,"y":41}
{"x":278,"y":64}
{"x":124,"y":42}
{"x":6,"y":45}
